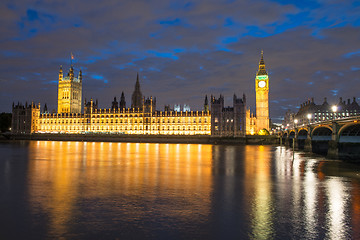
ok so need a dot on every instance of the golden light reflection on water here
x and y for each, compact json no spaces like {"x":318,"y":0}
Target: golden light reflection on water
{"x":318,"y":200}
{"x":257,"y":172}
{"x":191,"y":183}
{"x":176,"y":175}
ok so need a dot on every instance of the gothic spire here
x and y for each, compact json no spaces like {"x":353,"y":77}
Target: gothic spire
{"x":137,"y":98}
{"x":262,"y":70}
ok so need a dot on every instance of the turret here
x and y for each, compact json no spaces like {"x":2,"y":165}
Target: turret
{"x":45,"y":108}
{"x":80,"y":75}
{"x":71,"y":73}
{"x":114,"y":105}
{"x":206,"y":104}
{"x":61,"y":75}
{"x":122,"y":101}
{"x":91,"y":105}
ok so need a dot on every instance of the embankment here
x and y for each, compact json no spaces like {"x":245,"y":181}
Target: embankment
{"x":200,"y":139}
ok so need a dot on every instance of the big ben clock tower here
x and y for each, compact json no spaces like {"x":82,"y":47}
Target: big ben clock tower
{"x":262,"y":97}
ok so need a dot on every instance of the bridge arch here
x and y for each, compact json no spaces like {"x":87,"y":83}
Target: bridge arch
{"x":291,"y":133}
{"x":303,"y":133}
{"x":303,"y":128}
{"x":350,"y":133}
{"x":322,"y":133}
{"x":321,"y":129}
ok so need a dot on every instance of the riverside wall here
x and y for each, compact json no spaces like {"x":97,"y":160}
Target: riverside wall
{"x":199,"y":139}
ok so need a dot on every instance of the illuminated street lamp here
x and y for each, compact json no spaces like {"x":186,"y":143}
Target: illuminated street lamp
{"x":295,"y":121}
{"x":309,"y":117}
{"x":334,"y":109}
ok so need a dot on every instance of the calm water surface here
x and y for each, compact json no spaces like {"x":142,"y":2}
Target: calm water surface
{"x":79,"y":190}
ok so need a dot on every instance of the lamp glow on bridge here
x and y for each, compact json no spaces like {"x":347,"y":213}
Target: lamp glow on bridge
{"x":334,"y":109}
{"x":295,"y":122}
{"x":309,"y":117}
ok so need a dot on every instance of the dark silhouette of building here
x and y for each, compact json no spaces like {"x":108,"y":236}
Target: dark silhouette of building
{"x":25,"y":118}
{"x":122,"y":102}
{"x":309,"y":111}
{"x":206,"y":104}
{"x":149,"y":105}
{"x":114,"y":105}
{"x":90,"y":107}
{"x":228,"y":121}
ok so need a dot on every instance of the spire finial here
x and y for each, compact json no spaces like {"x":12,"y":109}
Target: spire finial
{"x":71,"y":58}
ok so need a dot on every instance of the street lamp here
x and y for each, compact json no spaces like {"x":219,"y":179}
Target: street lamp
{"x":309,"y":117}
{"x":334,"y":109}
{"x":295,"y":121}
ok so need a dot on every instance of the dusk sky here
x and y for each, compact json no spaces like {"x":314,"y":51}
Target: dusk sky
{"x":182,"y":50}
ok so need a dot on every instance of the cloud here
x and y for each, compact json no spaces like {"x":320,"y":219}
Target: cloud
{"x":181,"y":50}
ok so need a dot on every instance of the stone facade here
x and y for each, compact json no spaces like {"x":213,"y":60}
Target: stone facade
{"x":25,"y":118}
{"x":142,"y":117}
{"x":262,"y":97}
{"x":310,"y":112}
{"x":228,"y":121}
{"x":69,"y":92}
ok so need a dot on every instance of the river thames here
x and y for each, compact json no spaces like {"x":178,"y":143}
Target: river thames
{"x":101,"y":190}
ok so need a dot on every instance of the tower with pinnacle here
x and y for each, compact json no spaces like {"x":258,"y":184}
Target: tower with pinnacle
{"x":69,"y":92}
{"x":262,"y":96}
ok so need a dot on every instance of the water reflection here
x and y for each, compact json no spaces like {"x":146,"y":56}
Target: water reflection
{"x":141,"y":190}
{"x":258,"y":166}
{"x":174,"y":179}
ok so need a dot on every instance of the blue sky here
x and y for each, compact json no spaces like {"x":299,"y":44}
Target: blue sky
{"x":182,"y":50}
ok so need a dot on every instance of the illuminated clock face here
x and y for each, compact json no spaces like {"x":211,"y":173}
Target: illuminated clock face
{"x":262,"y":84}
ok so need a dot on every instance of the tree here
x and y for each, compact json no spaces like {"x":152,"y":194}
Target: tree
{"x":5,"y":122}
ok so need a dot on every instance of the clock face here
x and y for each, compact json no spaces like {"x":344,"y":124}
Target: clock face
{"x":262,"y":84}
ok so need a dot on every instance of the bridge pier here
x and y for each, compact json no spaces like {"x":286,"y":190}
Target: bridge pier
{"x":333,"y":149}
{"x":336,"y":138}
{"x":308,"y":145}
{"x":308,"y":140}
{"x":286,"y":142}
{"x":333,"y":145}
{"x":296,"y":143}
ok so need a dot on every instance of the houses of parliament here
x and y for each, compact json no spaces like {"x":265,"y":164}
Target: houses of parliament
{"x":142,"y":116}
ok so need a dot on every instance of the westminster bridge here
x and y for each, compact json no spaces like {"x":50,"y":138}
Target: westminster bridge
{"x":335,"y":138}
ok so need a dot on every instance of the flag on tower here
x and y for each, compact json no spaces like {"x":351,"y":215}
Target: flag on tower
{"x":72,"y":56}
